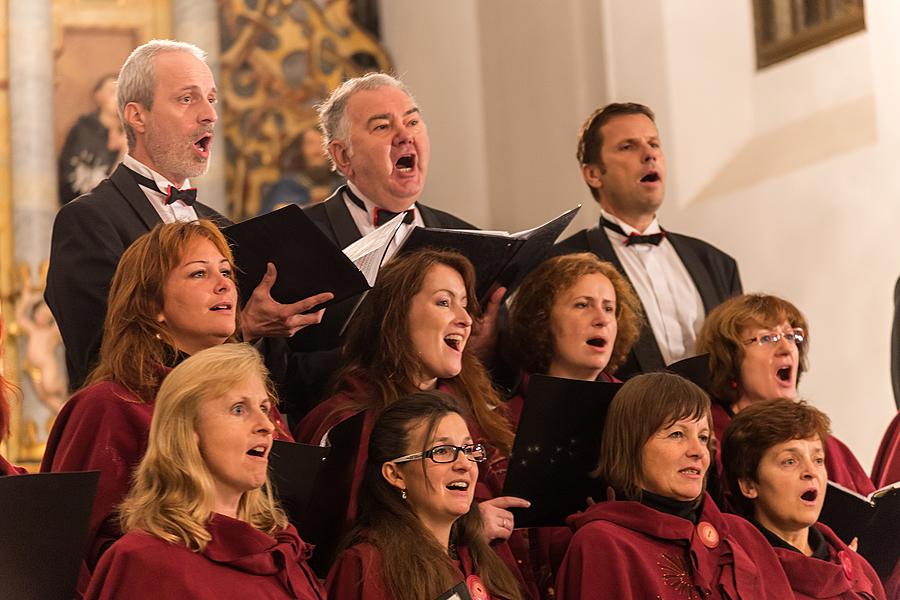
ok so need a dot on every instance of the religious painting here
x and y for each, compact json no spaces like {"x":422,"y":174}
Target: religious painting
{"x":279,"y":58}
{"x":785,"y":28}
{"x":90,"y":41}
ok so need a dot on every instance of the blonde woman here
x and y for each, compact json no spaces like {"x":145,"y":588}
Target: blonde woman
{"x":200,"y":521}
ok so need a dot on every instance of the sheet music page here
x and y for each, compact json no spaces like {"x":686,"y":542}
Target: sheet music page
{"x":368,"y":251}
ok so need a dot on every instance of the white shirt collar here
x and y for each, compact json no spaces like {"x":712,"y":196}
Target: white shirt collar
{"x":161,"y":182}
{"x":653,"y":227}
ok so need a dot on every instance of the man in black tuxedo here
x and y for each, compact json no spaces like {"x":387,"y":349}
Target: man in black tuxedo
{"x":377,"y":139}
{"x":679,"y":279}
{"x":166,"y":96}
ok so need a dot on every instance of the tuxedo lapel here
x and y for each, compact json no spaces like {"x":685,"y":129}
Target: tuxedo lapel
{"x":429,"y":216}
{"x":698,"y":271}
{"x":645,"y":349}
{"x":131,"y":191}
{"x":342,"y":223}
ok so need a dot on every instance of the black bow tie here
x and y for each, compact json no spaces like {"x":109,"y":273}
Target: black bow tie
{"x":381,"y":215}
{"x":634,"y":238}
{"x":188,"y":196}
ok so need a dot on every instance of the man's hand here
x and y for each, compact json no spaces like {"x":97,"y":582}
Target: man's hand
{"x":483,"y":341}
{"x":264,"y":317}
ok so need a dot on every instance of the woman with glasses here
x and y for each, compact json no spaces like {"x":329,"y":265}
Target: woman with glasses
{"x":773,"y":454}
{"x":758,"y":346}
{"x":663,"y":536}
{"x":200,"y":521}
{"x":419,"y":532}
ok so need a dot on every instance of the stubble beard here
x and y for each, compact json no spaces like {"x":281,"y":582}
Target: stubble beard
{"x":175,"y":157}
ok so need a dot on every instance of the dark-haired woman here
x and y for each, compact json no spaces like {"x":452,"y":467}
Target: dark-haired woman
{"x":200,"y":521}
{"x":419,"y":533}
{"x":410,"y":334}
{"x":663,"y":536}
{"x":773,"y":455}
{"x":758,"y":346}
{"x":173,"y":294}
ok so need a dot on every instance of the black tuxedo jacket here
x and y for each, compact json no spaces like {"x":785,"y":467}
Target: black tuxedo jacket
{"x":333,"y":217}
{"x":89,"y":235}
{"x":714,"y":273}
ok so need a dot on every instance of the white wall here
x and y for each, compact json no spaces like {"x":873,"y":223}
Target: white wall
{"x":789,"y":169}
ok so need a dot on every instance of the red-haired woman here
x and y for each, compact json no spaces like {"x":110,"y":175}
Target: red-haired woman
{"x":173,"y":294}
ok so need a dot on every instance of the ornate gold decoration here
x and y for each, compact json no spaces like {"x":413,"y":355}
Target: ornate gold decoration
{"x":278,"y":59}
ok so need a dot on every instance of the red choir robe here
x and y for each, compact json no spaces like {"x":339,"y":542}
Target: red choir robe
{"x":104,"y":427}
{"x":357,"y":574}
{"x":545,"y":547}
{"x":843,"y":468}
{"x":7,"y":468}
{"x":887,"y":461}
{"x":845,"y":575}
{"x":892,"y":585}
{"x":239,"y":562}
{"x":314,"y":427}
{"x":628,"y":550}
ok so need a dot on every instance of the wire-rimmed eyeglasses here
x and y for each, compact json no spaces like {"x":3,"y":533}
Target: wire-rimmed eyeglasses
{"x":794,"y":336}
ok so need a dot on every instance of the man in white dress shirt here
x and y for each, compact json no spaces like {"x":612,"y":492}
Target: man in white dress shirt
{"x":679,"y":279}
{"x":166,"y":97}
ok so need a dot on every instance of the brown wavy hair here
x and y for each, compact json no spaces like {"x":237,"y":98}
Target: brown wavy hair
{"x":530,"y":336}
{"x":644,"y":405}
{"x":722,"y":337}
{"x":759,"y":427}
{"x":135,"y":345}
{"x":378,"y":344}
{"x":416,"y":567}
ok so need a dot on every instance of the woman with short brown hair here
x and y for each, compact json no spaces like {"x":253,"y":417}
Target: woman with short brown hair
{"x":774,"y":460}
{"x":663,"y":536}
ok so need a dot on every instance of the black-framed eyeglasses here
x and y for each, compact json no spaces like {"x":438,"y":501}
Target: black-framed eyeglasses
{"x":447,"y":453}
{"x":794,"y":336}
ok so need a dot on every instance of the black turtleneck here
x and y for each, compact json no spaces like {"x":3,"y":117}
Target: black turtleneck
{"x":689,"y":509}
{"x":816,"y":540}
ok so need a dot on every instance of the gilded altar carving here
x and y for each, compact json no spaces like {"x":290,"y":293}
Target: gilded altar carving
{"x":278,"y":59}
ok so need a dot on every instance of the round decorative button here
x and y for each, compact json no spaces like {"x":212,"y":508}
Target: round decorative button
{"x":846,"y":563}
{"x":708,"y":534}
{"x":476,"y":588}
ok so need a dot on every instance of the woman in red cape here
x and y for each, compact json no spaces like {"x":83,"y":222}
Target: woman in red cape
{"x":200,"y":521}
{"x":758,"y":346}
{"x":419,"y":532}
{"x":774,"y":454}
{"x":409,"y":334}
{"x":666,"y":538}
{"x":172,"y":295}
{"x":576,"y":317}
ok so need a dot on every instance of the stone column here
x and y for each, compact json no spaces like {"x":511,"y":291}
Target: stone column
{"x":34,"y":187}
{"x":197,"y":22}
